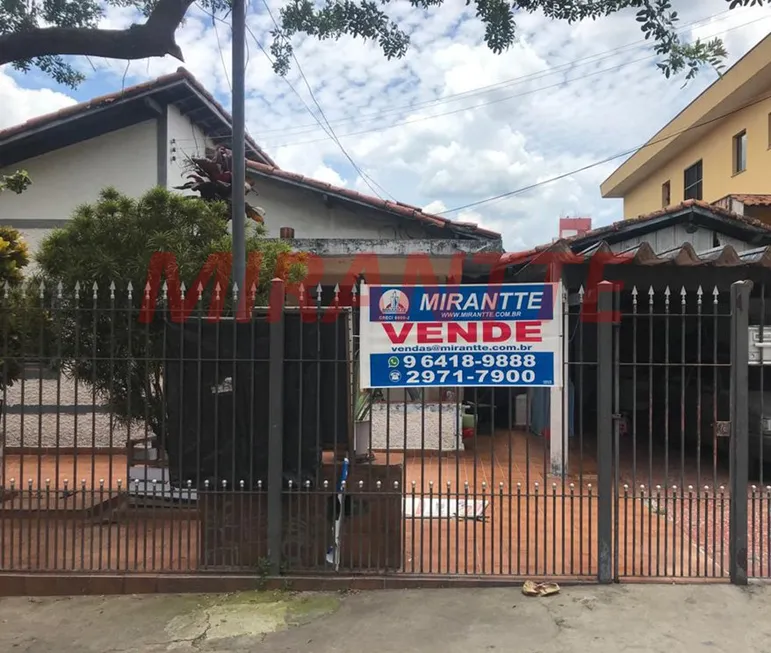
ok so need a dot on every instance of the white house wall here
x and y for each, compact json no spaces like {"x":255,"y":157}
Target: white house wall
{"x":286,"y":205}
{"x":674,"y":236}
{"x":184,"y":140}
{"x":73,"y":175}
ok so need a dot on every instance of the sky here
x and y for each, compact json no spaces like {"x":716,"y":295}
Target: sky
{"x":450,"y":124}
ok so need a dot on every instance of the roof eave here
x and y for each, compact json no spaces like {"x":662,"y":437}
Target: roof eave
{"x":459,"y":229}
{"x":87,"y":111}
{"x":180,"y":79}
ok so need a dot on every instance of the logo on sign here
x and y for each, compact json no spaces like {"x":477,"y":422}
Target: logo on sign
{"x":395,"y":376}
{"x":394,"y":302}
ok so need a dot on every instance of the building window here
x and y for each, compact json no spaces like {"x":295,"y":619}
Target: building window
{"x":693,"y":179}
{"x":740,"y":152}
{"x":666,"y":194}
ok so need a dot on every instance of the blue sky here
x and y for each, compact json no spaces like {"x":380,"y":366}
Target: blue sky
{"x":451,"y":123}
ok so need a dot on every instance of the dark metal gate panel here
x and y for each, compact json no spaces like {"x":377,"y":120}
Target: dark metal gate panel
{"x":443,"y":483}
{"x":679,"y":435}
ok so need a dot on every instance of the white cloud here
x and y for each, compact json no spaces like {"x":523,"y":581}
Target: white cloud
{"x":20,"y":104}
{"x":451,"y":123}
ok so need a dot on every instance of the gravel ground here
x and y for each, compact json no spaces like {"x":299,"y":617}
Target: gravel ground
{"x":40,"y":426}
{"x":423,"y":428}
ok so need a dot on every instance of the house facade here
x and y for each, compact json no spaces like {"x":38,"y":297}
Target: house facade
{"x":719,"y":146}
{"x":145,"y":135}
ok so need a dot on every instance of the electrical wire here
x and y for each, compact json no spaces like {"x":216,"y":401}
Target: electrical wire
{"x":365,"y":117}
{"x":561,"y":83}
{"x":371,"y":183}
{"x":589,"y":166}
{"x":222,"y":54}
{"x":455,"y":97}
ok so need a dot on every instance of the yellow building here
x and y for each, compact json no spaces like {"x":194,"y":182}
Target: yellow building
{"x":718,"y":149}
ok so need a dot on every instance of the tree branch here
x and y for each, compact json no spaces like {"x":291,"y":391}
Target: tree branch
{"x":155,"y":38}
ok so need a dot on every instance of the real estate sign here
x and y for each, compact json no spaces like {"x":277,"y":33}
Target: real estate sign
{"x":476,"y":335}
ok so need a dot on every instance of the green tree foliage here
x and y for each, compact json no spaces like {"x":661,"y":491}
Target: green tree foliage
{"x":370,"y":21}
{"x":88,"y":265}
{"x":17,"y":182}
{"x":14,"y":257}
{"x":37,"y":33}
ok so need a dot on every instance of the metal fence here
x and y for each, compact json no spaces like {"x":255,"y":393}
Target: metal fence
{"x":165,"y":441}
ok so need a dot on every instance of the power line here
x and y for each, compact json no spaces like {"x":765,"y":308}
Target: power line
{"x":371,"y":183}
{"x":478,"y":105}
{"x":593,"y":58}
{"x":215,"y":19}
{"x":222,"y":55}
{"x":500,"y":99}
{"x":538,"y":184}
{"x":308,"y":128}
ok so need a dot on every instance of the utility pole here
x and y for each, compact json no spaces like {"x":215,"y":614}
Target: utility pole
{"x":238,"y":199}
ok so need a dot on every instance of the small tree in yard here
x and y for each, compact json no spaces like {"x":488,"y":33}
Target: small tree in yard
{"x":14,"y":257}
{"x":99,"y":338}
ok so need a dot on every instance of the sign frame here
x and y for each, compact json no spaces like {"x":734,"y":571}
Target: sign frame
{"x":552,"y":337}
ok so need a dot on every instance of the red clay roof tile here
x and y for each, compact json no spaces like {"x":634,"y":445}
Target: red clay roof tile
{"x":398,"y":208}
{"x":513,"y":258}
{"x":159,"y":82}
{"x":751,"y":200}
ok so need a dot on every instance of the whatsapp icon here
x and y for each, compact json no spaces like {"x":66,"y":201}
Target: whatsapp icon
{"x":393,"y":361}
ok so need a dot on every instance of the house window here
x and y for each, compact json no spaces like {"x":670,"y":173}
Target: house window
{"x":693,"y":179}
{"x":666,"y":194}
{"x":740,"y":152}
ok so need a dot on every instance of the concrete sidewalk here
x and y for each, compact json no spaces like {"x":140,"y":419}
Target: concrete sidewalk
{"x":648,"y":618}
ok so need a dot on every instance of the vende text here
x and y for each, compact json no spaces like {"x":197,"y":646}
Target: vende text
{"x":453,"y":332}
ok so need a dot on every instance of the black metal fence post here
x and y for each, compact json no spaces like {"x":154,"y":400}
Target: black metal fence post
{"x":276,"y":420}
{"x":605,"y":307}
{"x":739,"y":457}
